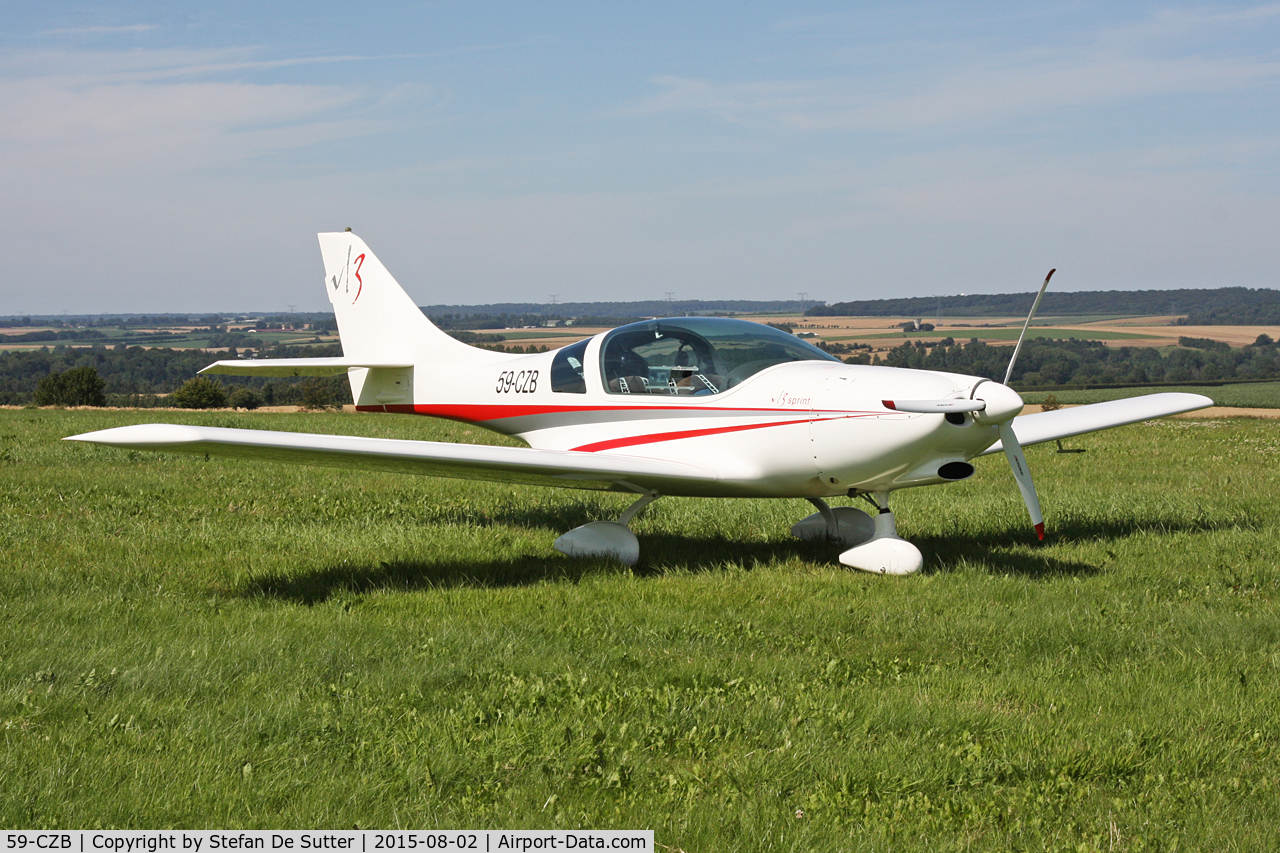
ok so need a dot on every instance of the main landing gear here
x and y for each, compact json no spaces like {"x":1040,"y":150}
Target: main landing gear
{"x":606,"y":538}
{"x":876,"y":546}
{"x":872,"y":541}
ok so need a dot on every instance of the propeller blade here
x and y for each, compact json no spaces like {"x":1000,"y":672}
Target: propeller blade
{"x":932,"y":407}
{"x":1035,"y":306}
{"x":1021,"y":473}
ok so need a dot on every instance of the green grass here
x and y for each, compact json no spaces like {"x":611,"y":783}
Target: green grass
{"x":222,"y":644}
{"x":1249,"y":395}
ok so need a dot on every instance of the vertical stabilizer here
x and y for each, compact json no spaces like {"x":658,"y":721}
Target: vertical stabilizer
{"x":377,"y":320}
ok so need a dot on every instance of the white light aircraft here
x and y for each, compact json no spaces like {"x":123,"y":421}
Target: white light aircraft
{"x":696,"y":406}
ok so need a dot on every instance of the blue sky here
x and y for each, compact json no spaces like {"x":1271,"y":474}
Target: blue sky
{"x":181,"y":157}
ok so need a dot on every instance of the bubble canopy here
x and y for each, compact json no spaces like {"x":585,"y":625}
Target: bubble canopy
{"x":695,"y":356}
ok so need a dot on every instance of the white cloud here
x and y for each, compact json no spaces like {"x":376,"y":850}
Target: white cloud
{"x":147,"y":111}
{"x":101,"y":30}
{"x":128,"y":175}
{"x":963,"y":99}
{"x":961,"y":85}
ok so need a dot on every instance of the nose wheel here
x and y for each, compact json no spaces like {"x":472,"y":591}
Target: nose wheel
{"x":885,"y":553}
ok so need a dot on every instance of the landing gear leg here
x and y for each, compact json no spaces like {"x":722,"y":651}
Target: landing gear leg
{"x":607,"y":538}
{"x":885,"y":553}
{"x":844,"y":524}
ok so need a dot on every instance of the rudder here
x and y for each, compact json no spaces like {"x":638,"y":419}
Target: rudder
{"x":376,"y":318}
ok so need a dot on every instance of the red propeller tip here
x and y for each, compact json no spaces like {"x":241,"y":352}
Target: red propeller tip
{"x":1040,"y":531}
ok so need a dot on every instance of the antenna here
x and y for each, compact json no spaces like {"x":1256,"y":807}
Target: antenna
{"x":1009,"y":373}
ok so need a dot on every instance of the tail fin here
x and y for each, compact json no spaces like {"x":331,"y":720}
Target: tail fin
{"x":377,"y":320}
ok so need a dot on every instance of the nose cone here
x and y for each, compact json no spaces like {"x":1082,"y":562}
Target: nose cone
{"x":1003,"y":403}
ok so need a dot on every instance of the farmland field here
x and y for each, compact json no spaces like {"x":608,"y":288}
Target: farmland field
{"x":196,"y":643}
{"x":1247,"y":395}
{"x":992,"y":335}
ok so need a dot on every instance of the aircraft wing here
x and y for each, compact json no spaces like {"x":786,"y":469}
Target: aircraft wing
{"x":564,"y":468}
{"x":291,"y":366}
{"x":1064,"y":423}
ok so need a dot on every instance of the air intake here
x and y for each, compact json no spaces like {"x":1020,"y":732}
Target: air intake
{"x":955,"y":471}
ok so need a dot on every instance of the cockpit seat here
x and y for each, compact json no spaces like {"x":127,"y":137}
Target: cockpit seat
{"x":629,"y":385}
{"x":706,"y":383}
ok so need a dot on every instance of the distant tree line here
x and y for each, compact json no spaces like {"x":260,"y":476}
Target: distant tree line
{"x":640,"y":309}
{"x":1203,"y":343}
{"x":53,"y":335}
{"x":503,"y":320}
{"x":1243,"y":313}
{"x":1221,"y":306}
{"x":1046,"y":362}
{"x":453,"y":322}
{"x":137,"y":376}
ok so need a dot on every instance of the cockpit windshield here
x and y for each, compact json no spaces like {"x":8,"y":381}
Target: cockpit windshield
{"x":695,"y":356}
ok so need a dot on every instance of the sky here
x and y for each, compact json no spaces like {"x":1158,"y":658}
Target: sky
{"x":159,"y":157}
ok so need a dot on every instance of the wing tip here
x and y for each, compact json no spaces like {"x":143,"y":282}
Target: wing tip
{"x":146,"y":436}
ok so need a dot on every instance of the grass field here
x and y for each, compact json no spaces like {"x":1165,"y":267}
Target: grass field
{"x":192,"y":643}
{"x":1247,"y":395}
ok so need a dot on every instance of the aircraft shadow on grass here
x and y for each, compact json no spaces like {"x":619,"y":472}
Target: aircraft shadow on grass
{"x":553,"y":516}
{"x":1002,"y":554}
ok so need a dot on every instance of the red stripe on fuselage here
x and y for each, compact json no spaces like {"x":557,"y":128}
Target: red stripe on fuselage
{"x":631,"y":440}
{"x":652,"y":438}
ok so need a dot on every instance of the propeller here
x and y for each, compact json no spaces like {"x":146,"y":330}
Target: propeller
{"x":1008,"y":374}
{"x":1021,"y":473}
{"x":1004,"y":420}
{"x":1001,"y":405}
{"x":997,"y":406}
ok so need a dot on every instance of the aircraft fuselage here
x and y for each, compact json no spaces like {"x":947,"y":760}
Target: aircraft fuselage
{"x":798,"y":429}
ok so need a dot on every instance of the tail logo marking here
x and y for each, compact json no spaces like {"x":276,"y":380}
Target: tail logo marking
{"x":359,"y":263}
{"x":346,"y":276}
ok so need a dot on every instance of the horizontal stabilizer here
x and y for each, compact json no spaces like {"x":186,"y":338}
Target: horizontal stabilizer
{"x":1064,"y":423}
{"x":565,"y":468}
{"x":337,"y":366}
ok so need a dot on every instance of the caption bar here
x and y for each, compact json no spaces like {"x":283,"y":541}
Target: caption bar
{"x":353,"y":841}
